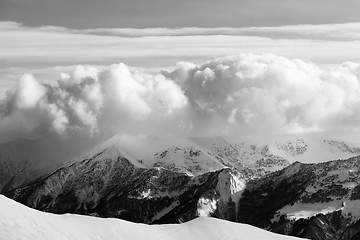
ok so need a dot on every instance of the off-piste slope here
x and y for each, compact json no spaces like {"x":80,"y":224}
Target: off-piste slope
{"x":20,"y":222}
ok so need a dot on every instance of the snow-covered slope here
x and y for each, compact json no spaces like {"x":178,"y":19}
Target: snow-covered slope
{"x":199,"y":155}
{"x":302,"y":148}
{"x":20,"y":222}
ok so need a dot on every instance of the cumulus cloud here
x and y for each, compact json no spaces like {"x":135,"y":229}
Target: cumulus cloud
{"x":270,"y":94}
{"x":90,"y":100}
{"x":236,"y":95}
{"x":29,"y":92}
{"x":251,"y":94}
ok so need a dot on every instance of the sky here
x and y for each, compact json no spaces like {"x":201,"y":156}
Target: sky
{"x":175,"y":14}
{"x":178,"y":67}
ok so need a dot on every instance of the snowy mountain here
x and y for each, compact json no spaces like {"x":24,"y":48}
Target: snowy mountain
{"x":317,"y":201}
{"x":155,"y":180}
{"x":305,"y":148}
{"x":23,"y":161}
{"x":20,"y":222}
{"x":111,"y":185}
{"x":199,"y":155}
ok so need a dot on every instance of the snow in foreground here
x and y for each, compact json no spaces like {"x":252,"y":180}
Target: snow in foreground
{"x":20,"y":222}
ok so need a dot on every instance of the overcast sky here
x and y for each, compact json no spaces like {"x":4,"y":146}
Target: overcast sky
{"x":174,"y":13}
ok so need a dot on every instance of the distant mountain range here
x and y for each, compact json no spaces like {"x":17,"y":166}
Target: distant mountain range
{"x":23,"y":161}
{"x":284,"y":185}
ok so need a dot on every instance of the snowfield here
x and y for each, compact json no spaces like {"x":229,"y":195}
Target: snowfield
{"x":20,"y":222}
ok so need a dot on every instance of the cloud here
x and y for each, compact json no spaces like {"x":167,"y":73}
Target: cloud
{"x":90,"y":101}
{"x":252,"y":94}
{"x":30,"y":92}
{"x":234,"y":96}
{"x":50,"y":45}
{"x":50,"y":49}
{"x":334,"y":32}
{"x":339,"y":31}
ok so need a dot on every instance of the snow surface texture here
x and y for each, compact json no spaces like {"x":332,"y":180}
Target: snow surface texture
{"x":20,"y":222}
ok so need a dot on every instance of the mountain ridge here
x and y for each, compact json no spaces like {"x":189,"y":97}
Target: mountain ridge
{"x":318,"y":201}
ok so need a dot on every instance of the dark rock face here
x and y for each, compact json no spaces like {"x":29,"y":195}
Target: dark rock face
{"x":271,"y":201}
{"x":109,"y":185}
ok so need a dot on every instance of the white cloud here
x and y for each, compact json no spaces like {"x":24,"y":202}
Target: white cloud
{"x":29,"y":92}
{"x":61,"y":46}
{"x":50,"y":47}
{"x":271,"y":94}
{"x":245,"y":94}
{"x":236,"y":95}
{"x":91,"y":100}
{"x":340,"y":31}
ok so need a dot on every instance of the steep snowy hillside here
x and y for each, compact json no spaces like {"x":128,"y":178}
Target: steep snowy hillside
{"x":316,"y":201}
{"x":268,"y":154}
{"x":245,"y":154}
{"x":196,"y":156}
{"x":176,"y":154}
{"x":302,"y":148}
{"x":20,"y":222}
